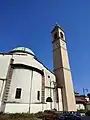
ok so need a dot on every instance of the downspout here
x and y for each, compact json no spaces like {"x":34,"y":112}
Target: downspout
{"x":30,"y":91}
{"x":50,"y":95}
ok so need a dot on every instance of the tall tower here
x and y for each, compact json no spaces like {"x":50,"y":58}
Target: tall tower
{"x":62,"y":69}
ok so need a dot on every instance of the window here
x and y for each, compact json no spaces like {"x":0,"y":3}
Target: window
{"x":38,"y":95}
{"x":48,"y":76}
{"x":61,"y":34}
{"x":49,"y":99}
{"x":18,"y":93}
{"x":55,"y":35}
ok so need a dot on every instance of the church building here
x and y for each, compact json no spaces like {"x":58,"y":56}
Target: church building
{"x":26,"y":85}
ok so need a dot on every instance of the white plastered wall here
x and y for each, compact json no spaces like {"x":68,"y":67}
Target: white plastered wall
{"x":4,"y":64}
{"x":22,"y":79}
{"x":80,"y":106}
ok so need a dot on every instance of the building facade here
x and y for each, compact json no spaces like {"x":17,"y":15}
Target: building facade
{"x":62,"y":69}
{"x":26,"y":85}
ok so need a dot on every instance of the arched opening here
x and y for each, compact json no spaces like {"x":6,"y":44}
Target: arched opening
{"x":49,"y":99}
{"x":61,"y":34}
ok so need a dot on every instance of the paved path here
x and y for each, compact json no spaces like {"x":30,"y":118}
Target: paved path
{"x":83,"y":118}
{"x":86,"y":118}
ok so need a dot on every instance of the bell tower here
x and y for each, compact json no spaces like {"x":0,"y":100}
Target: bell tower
{"x":62,"y":69}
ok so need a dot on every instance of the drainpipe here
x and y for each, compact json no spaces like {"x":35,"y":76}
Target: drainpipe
{"x":50,"y":95}
{"x":30,"y":91}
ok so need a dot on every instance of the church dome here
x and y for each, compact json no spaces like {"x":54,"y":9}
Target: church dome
{"x":23,"y":50}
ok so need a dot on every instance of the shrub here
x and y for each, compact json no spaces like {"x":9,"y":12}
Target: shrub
{"x":87,"y":113}
{"x":17,"y":116}
{"x":81,"y":111}
{"x":39,"y":114}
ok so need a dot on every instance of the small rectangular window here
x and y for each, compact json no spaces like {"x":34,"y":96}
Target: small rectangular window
{"x":18,"y":93}
{"x":38,"y":95}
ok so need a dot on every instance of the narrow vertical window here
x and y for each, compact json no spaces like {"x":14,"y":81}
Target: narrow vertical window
{"x":38,"y":95}
{"x":61,"y":34}
{"x":18,"y":93}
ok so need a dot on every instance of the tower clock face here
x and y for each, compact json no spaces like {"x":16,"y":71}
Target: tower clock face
{"x":56,"y":44}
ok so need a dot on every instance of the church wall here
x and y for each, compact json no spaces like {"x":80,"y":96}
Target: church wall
{"x":50,"y":83}
{"x":27,"y":60}
{"x":19,"y":108}
{"x":49,"y":77}
{"x":16,"y":108}
{"x":4,"y":64}
{"x":23,"y":78}
{"x":36,"y":108}
{"x":1,"y":88}
{"x":1,"y":83}
{"x":29,"y":82}
{"x":36,"y":86}
{"x":53,"y":96}
{"x":60,"y":99}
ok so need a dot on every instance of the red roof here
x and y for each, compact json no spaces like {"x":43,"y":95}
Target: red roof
{"x":88,"y":102}
{"x":78,"y":99}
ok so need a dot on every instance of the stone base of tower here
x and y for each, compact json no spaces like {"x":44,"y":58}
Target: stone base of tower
{"x":67,"y":104}
{"x":66,"y":85}
{"x":68,"y":91}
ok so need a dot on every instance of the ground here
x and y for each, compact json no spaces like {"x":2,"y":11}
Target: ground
{"x":86,"y":118}
{"x":24,"y":116}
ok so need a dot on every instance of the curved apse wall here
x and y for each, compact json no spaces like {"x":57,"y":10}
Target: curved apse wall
{"x":28,"y":81}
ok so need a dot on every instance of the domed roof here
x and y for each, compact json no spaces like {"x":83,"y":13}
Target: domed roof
{"x":22,"y":49}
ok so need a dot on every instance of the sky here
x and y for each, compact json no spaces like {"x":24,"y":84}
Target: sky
{"x":29,"y":23}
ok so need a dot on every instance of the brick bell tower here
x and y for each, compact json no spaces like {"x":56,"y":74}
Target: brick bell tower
{"x":62,"y":69}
